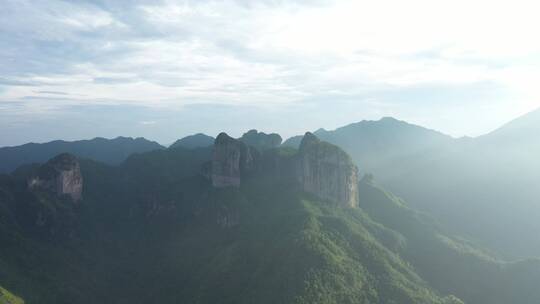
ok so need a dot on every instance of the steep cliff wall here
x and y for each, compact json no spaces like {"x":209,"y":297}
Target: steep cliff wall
{"x":231,"y":158}
{"x":61,"y":175}
{"x":327,"y":171}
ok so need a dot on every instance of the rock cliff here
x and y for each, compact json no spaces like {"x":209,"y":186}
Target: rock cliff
{"x":318,"y":167}
{"x":230,"y":159}
{"x":327,"y":171}
{"x":60,"y":175}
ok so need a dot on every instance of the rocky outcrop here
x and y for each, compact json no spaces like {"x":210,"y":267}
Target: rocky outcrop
{"x":318,"y":168}
{"x":231,"y":158}
{"x":327,"y":172}
{"x":261,"y":140}
{"x":60,"y":175}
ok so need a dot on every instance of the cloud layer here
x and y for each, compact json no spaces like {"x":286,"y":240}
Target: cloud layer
{"x":170,"y":68}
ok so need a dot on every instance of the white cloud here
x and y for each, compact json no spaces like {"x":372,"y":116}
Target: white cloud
{"x":274,"y":54}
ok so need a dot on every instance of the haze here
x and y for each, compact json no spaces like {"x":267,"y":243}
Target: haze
{"x":269,"y":151}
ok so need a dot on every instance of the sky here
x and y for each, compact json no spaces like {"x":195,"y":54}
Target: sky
{"x":165,"y":69}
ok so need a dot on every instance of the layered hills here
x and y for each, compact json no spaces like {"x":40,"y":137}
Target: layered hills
{"x":234,"y":223}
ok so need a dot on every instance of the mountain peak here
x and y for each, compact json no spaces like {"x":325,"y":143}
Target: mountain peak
{"x":198,"y":140}
{"x":261,"y":140}
{"x":231,"y":158}
{"x":388,"y":118}
{"x":522,"y":128}
{"x":223,"y":138}
{"x":308,"y":140}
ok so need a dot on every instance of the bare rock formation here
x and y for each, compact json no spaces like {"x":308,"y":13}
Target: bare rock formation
{"x":60,"y":175}
{"x":231,"y":158}
{"x":327,"y":171}
{"x":318,"y":168}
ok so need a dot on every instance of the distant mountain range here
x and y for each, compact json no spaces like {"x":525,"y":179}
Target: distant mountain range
{"x":110,"y":151}
{"x":522,"y":130}
{"x":377,"y":145}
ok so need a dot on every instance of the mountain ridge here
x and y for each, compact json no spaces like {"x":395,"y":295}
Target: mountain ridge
{"x":112,"y":151}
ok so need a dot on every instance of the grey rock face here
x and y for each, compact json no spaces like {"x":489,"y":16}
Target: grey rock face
{"x":261,"y":140}
{"x":327,"y":171}
{"x":319,"y":168}
{"x":60,"y":175}
{"x":231,"y":158}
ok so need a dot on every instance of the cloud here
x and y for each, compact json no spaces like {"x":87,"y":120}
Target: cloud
{"x":16,"y":82}
{"x":114,"y":80}
{"x":282,"y":57}
{"x":51,"y":92}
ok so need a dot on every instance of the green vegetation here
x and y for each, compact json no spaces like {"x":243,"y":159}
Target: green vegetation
{"x":195,"y":244}
{"x":450,"y":264}
{"x":153,"y":230}
{"x":7,"y":298}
